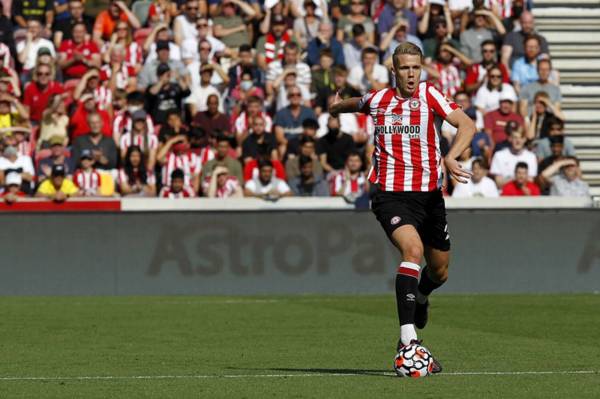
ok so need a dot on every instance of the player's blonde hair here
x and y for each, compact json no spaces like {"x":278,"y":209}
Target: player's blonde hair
{"x":406,"y":48}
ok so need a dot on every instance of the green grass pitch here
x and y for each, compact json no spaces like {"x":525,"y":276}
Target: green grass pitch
{"x":295,"y":347}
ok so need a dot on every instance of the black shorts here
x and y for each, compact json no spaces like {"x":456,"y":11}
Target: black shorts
{"x":426,"y":211}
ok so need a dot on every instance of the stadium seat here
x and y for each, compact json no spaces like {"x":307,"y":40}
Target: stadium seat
{"x":140,"y":9}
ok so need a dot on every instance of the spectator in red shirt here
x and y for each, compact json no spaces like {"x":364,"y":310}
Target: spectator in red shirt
{"x":78,"y":125}
{"x":78,"y":54}
{"x":495,"y":121}
{"x":521,"y":186}
{"x":39,"y":90}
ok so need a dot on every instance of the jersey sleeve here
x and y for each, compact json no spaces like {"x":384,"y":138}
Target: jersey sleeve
{"x":364,"y":105}
{"x":440,"y":104}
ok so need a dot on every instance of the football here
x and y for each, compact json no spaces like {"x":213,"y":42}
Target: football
{"x":413,"y":361}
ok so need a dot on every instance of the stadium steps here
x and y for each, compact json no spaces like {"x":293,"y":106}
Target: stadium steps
{"x":573,"y":33}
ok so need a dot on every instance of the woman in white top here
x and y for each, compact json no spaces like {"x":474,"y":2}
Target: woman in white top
{"x":488,"y":96}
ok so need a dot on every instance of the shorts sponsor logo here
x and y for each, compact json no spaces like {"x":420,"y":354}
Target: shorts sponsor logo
{"x":414,"y":104}
{"x":395,"y":220}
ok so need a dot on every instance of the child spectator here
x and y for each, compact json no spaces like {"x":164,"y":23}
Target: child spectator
{"x":12,"y":188}
{"x":87,"y":178}
{"x":177,"y":187}
{"x":134,"y":178}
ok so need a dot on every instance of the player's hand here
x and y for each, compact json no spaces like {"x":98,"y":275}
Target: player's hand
{"x":456,"y":170}
{"x":333,"y":106}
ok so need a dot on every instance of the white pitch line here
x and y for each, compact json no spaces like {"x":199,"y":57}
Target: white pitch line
{"x":215,"y":376}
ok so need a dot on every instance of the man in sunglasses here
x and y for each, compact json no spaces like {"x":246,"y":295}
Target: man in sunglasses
{"x":477,"y":73}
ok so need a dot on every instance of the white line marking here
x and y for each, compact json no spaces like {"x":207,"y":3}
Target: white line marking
{"x":216,"y":376}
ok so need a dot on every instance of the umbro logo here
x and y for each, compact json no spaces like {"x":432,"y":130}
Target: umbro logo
{"x":410,"y":297}
{"x":395,"y":220}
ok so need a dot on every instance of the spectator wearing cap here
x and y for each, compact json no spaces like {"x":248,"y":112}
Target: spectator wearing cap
{"x":221,"y":184}
{"x":357,"y":15}
{"x":184,"y":25}
{"x":472,"y":38}
{"x":307,"y":148}
{"x":78,"y":54}
{"x":12,"y":188}
{"x":334,"y":147}
{"x":140,"y":137}
{"x":58,"y":156}
{"x":504,"y":161}
{"x":495,"y":122}
{"x":63,"y":29}
{"x":479,"y":185}
{"x":257,"y":138}
{"x":38,"y":92}
{"x":54,"y":123}
{"x":440,"y":35}
{"x":521,"y":185}
{"x":513,"y":45}
{"x":166,"y":94}
{"x":543,"y":84}
{"x":325,"y":39}
{"x":40,"y":11}
{"x":291,"y":61}
{"x":563,"y":177}
{"x":398,"y":35}
{"x":245,"y":63}
{"x":86,"y":177}
{"x":230,"y":27}
{"x":119,"y":73}
{"x":307,"y":184}
{"x":78,"y":124}
{"x":106,"y":21}
{"x":477,"y":75}
{"x":391,"y":10}
{"x":270,"y":47}
{"x":213,"y":121}
{"x":265,"y":185}
{"x":524,"y":69}
{"x":223,"y":158}
{"x":149,"y":74}
{"x":488,"y":96}
{"x":305,"y":27}
{"x":369,"y":74}
{"x":288,"y":120}
{"x":177,"y":188}
{"x":13,"y":162}
{"x":58,"y":187}
{"x":543,"y":146}
{"x":197,"y":101}
{"x":161,"y":33}
{"x":134,"y":178}
{"x":102,"y":147}
{"x":176,"y":154}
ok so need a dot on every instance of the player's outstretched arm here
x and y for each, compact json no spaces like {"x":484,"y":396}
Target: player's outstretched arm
{"x":340,"y":106}
{"x":464,"y":136}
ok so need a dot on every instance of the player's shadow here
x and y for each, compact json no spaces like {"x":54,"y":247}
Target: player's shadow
{"x":332,"y":371}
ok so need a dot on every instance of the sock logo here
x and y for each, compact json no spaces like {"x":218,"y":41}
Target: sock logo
{"x":395,"y":220}
{"x":410,"y":297}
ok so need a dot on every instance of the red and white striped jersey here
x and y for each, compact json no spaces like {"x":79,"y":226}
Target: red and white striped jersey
{"x":103,"y":96}
{"x":122,"y":80}
{"x":449,"y":82}
{"x":231,"y":185}
{"x":25,"y":148}
{"x":187,"y":192}
{"x":206,"y":154}
{"x":123,"y":124}
{"x":242,"y":123}
{"x":504,"y":7}
{"x":87,"y":181}
{"x":146,"y":142}
{"x":407,"y":149}
{"x":344,"y":184}
{"x":189,"y":163}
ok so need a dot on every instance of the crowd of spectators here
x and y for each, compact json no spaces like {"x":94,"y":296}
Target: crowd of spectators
{"x":187,"y":98}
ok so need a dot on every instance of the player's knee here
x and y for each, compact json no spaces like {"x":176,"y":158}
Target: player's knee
{"x":413,"y":254}
{"x":439,"y":273}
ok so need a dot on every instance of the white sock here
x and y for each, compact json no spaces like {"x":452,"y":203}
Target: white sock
{"x":407,"y":333}
{"x":421,"y":298}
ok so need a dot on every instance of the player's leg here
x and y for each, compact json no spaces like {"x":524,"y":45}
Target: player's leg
{"x":408,"y":241}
